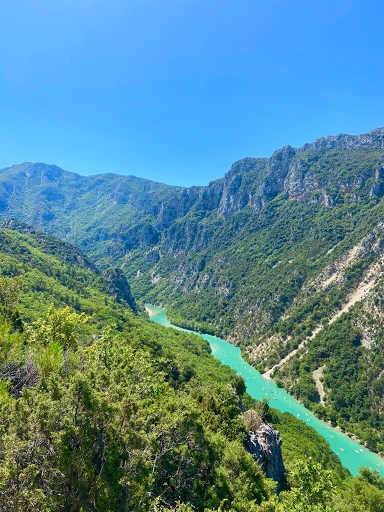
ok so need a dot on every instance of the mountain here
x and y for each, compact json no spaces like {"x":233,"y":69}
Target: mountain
{"x":282,"y":255}
{"x":66,"y":253}
{"x":101,"y":409}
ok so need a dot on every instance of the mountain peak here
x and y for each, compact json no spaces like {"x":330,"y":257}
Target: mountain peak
{"x":37,"y":169}
{"x":372,"y":139}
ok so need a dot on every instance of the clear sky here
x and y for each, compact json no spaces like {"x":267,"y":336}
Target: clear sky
{"x":177,"y":90}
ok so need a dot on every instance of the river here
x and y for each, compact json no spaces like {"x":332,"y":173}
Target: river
{"x":352,"y":454}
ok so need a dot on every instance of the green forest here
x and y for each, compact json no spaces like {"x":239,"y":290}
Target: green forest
{"x":102,"y":410}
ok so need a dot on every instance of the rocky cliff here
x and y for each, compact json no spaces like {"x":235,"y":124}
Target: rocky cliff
{"x":264,"y":443}
{"x":200,"y":244}
{"x":119,"y":288}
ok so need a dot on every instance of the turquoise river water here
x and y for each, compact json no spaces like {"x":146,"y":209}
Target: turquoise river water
{"x":352,"y":454}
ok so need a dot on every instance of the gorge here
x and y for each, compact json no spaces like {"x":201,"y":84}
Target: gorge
{"x":282,"y":256}
{"x":352,"y":455}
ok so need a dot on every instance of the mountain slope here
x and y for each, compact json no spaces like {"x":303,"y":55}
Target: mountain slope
{"x":274,"y":255}
{"x":216,"y":244}
{"x":113,"y":412}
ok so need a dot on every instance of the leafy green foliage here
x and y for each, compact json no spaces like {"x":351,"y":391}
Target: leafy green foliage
{"x":123,"y":414}
{"x":59,"y":327}
{"x":312,"y":490}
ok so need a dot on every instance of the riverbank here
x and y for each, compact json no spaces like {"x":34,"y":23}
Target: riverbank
{"x":151,"y":312}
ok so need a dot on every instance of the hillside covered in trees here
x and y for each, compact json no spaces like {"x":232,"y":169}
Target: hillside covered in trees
{"x":100,"y":409}
{"x":283,"y":255}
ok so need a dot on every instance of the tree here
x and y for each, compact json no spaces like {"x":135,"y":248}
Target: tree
{"x":313,"y":489}
{"x":264,"y":410}
{"x":10,"y":291}
{"x":364,"y":493}
{"x":238,"y":384}
{"x":57,"y":326}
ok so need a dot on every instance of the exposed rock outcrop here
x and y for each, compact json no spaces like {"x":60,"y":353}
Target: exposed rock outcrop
{"x":264,"y":443}
{"x":119,"y":288}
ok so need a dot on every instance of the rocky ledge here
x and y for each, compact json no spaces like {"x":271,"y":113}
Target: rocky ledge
{"x":264,"y":443}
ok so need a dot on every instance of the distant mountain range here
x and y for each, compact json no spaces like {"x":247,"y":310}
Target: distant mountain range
{"x":283,"y":254}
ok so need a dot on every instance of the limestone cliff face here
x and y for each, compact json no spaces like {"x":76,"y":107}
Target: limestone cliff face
{"x":255,"y":181}
{"x":265,"y":445}
{"x":374,"y":138}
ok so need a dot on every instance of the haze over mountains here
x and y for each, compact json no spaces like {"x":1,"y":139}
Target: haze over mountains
{"x":282,"y":253}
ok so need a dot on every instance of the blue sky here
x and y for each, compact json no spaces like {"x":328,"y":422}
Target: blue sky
{"x":176,"y":91}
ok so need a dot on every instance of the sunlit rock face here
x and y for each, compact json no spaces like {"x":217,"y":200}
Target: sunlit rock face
{"x":265,"y":445}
